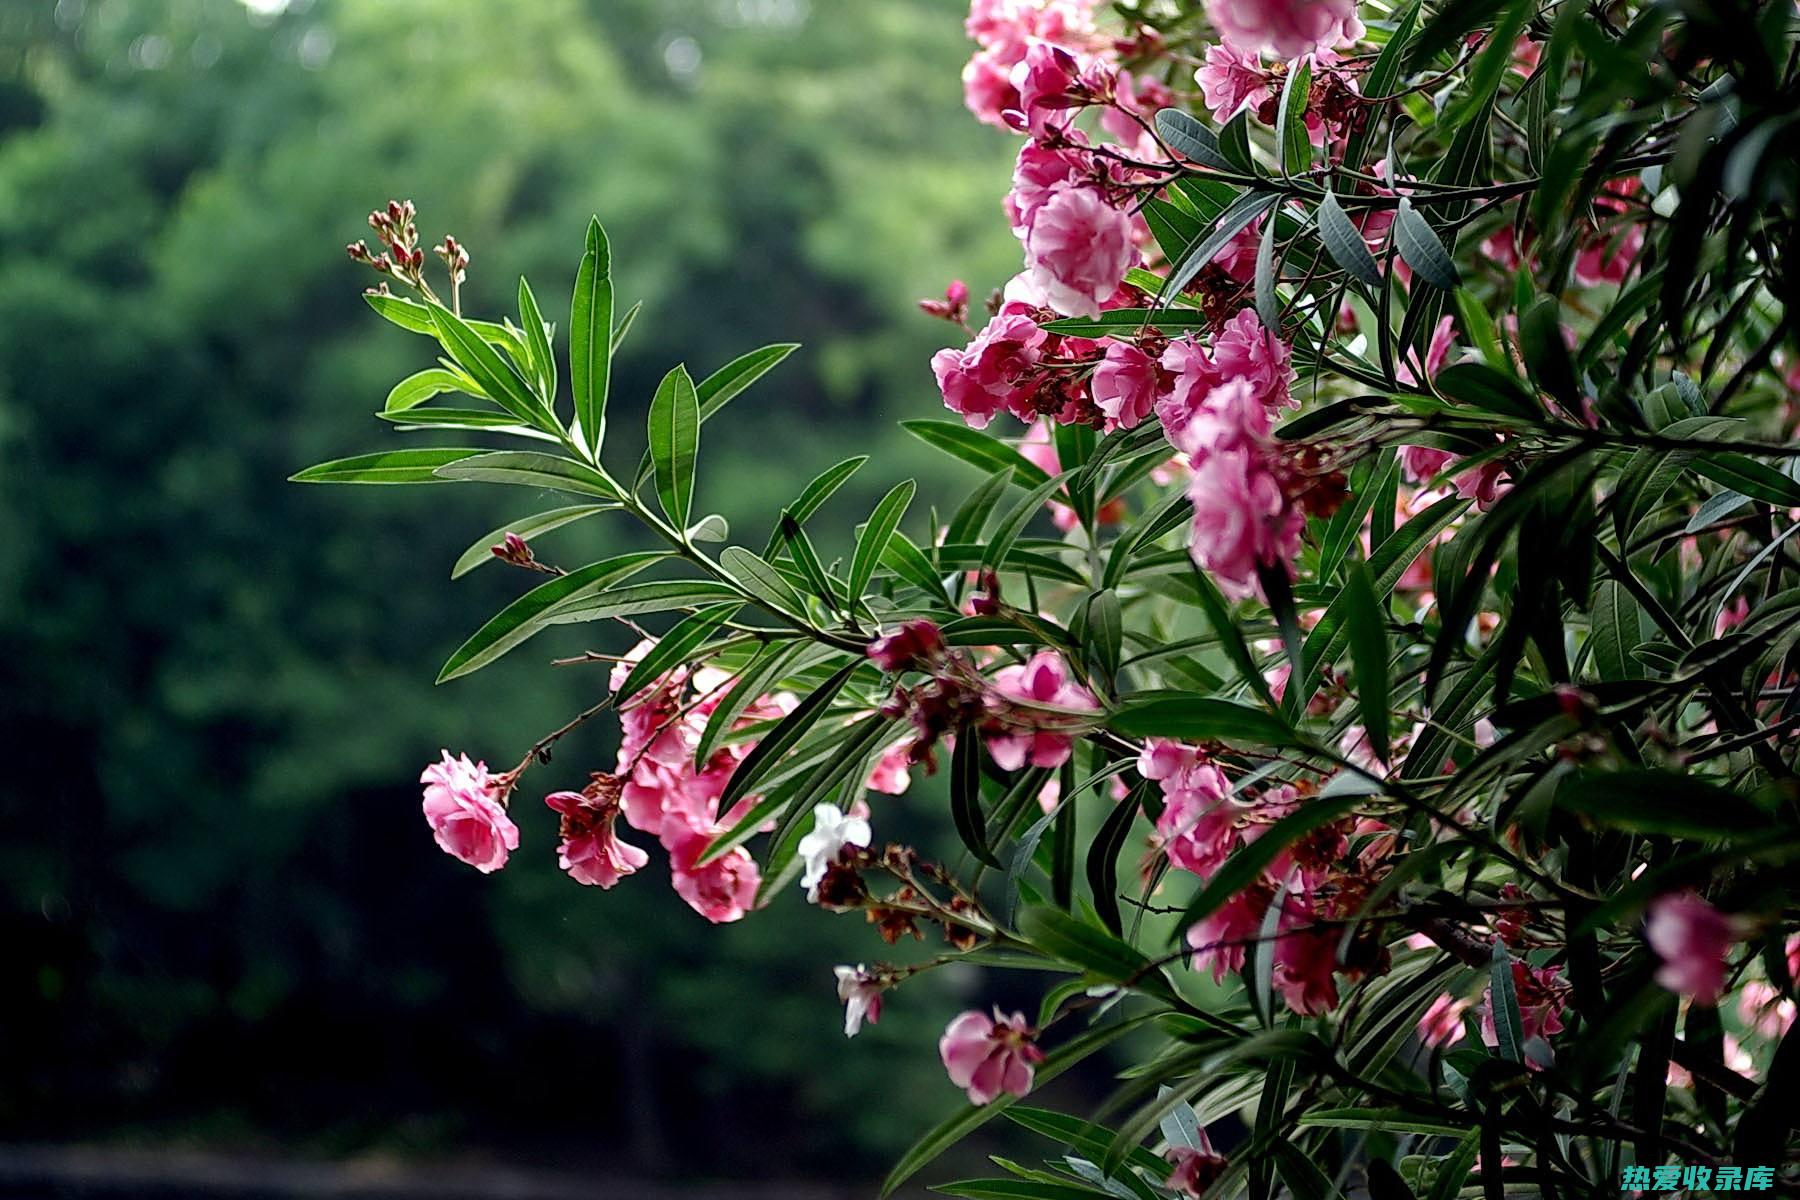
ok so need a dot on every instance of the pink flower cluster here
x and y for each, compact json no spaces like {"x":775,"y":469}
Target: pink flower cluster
{"x":1218,"y":413}
{"x":667,"y":795}
{"x":1285,"y":28}
{"x":1201,"y":825}
{"x":1021,"y":729}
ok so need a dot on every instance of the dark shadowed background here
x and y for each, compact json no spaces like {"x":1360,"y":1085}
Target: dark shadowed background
{"x":225,"y":927}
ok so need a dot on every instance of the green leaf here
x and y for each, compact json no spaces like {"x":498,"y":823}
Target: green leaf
{"x":1231,"y":640}
{"x":965,"y":797}
{"x":635,"y":598}
{"x":528,"y":614}
{"x":1422,"y":250}
{"x":624,"y":326}
{"x":1245,"y":209}
{"x":971,"y":516}
{"x":1748,"y":477}
{"x":906,"y":561}
{"x":1487,"y":388}
{"x":1398,"y":1120}
{"x":1123,"y":320}
{"x":814,"y":495}
{"x":675,"y":444}
{"x":1547,"y":355}
{"x":537,"y":341}
{"x":719,"y":388}
{"x":492,"y":373}
{"x":1453,"y":1169}
{"x":1290,"y":121}
{"x":390,"y":466}
{"x":1616,"y":631}
{"x":481,"y":419}
{"x":1105,"y":631}
{"x":762,"y":581}
{"x":808,"y":560}
{"x":409,"y":315}
{"x":674,"y":648}
{"x":1191,"y":718}
{"x":1300,"y":1173}
{"x":1268,"y":305}
{"x":480,"y":551}
{"x":1509,"y":1028}
{"x":980,"y":449}
{"x":1187,"y":136}
{"x":873,"y":542}
{"x":590,"y":338}
{"x":528,"y":468}
{"x":1344,"y":242}
{"x":757,"y":679}
{"x":781,"y":738}
{"x":416,"y":389}
{"x":1081,"y":945}
{"x":1367,"y":624}
{"x":1103,"y":859}
{"x":1662,"y":802}
{"x":1014,"y":522}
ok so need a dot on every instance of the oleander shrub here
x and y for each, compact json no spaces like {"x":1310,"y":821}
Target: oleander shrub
{"x":1364,"y":673}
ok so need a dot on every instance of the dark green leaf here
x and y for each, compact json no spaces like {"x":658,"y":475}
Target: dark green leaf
{"x":1367,"y":623}
{"x":528,"y":468}
{"x":762,"y":581}
{"x":1344,"y":242}
{"x":873,"y":542}
{"x":1422,"y":250}
{"x":674,"y":648}
{"x":528,"y":614}
{"x":674,"y":429}
{"x":1193,"y":718}
{"x":390,"y":466}
{"x":1188,"y":137}
{"x":590,"y":338}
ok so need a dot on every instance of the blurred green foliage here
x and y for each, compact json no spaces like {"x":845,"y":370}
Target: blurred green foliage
{"x":223,"y":913}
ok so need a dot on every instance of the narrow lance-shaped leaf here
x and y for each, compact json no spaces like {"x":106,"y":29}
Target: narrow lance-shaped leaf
{"x":481,"y":549}
{"x":1188,"y":137}
{"x":762,"y":581}
{"x":526,"y":615}
{"x":390,"y":466}
{"x":965,"y":797}
{"x":590,"y":338}
{"x":675,"y":444}
{"x":1344,"y":242}
{"x":782,"y":738}
{"x":1423,"y":250}
{"x":537,"y":341}
{"x":674,"y":648}
{"x":873,"y":542}
{"x":1369,"y":650}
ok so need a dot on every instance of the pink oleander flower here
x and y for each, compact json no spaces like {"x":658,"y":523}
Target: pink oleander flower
{"x":1286,"y":28}
{"x":1197,"y":1168}
{"x":1232,"y":80}
{"x":1245,"y":350}
{"x":1610,"y":252}
{"x":891,"y":775}
{"x":590,"y":851}
{"x":1126,"y":384}
{"x":1192,"y":377}
{"x":1243,"y":520}
{"x":1077,"y":249}
{"x":991,"y":373}
{"x":1764,"y":1009}
{"x":1542,"y":998}
{"x":1198,"y":827}
{"x":1011,"y":22}
{"x":913,"y":643}
{"x":1443,"y":341}
{"x":988,"y":91}
{"x":1306,"y":962}
{"x":1043,"y":80}
{"x":463,"y":807}
{"x":724,"y":889}
{"x":861,"y":996}
{"x":1442,"y":1024}
{"x":1694,"y":941}
{"x":1040,"y":173}
{"x":1019,"y":736}
{"x":1221,"y":939}
{"x":988,"y":1056}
